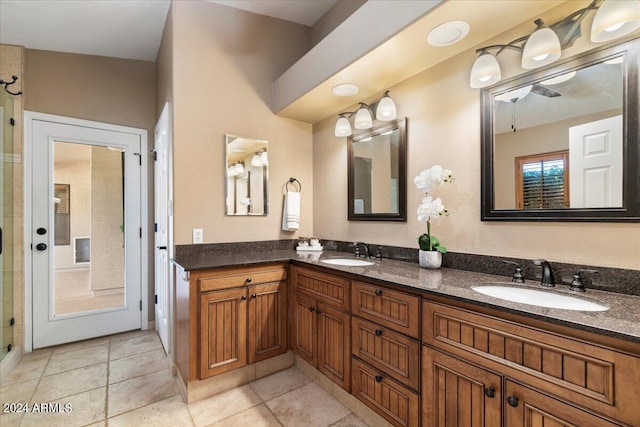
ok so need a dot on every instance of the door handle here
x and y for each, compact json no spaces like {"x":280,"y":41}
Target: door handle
{"x":41,"y":246}
{"x":162,"y":248}
{"x":41,"y":231}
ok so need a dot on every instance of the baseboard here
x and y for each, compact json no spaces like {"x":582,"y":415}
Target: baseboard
{"x":10,"y":361}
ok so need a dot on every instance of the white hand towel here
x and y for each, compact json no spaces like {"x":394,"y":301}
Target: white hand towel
{"x":291,"y":211}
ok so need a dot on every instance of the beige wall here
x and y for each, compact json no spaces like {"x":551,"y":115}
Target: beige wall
{"x":444,"y":128}
{"x":224,"y":62}
{"x":12,"y":64}
{"x":164,"y":65}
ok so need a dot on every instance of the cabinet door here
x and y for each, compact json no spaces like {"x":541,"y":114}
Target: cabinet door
{"x":223,"y":331}
{"x":526,"y":407}
{"x":456,"y":393}
{"x":304,"y":323}
{"x":267,"y":320}
{"x":333,"y":344}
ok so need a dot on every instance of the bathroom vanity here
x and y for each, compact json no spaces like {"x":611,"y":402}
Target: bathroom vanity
{"x":418,"y":347}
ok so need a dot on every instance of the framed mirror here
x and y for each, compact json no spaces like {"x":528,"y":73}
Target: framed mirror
{"x":562,"y":144}
{"x":246,"y":175}
{"x":377,"y":169}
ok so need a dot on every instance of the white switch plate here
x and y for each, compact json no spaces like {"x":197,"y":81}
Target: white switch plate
{"x":198,"y":236}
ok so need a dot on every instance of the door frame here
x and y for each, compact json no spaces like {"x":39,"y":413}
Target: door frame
{"x":29,"y":117}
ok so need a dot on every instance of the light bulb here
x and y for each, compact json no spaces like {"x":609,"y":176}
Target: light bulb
{"x":363,"y":118}
{"x":541,"y":48}
{"x":255,"y":160}
{"x":264,"y":161}
{"x":386,"y":109}
{"x":343,"y":127}
{"x":485,"y":71}
{"x":615,"y":19}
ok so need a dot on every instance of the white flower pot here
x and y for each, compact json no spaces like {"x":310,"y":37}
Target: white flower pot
{"x":430,"y":259}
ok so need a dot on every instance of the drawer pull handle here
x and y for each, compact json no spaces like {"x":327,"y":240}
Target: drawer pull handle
{"x":490,"y":392}
{"x":378,"y":378}
{"x":248,"y":279}
{"x":318,"y":312}
{"x":254,"y":295}
{"x":378,"y":292}
{"x":244,"y":297}
{"x":378,"y":332}
{"x":513,"y":401}
{"x":312,"y":309}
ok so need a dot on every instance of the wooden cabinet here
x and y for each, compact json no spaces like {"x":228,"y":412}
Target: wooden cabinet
{"x":396,"y":403}
{"x":242,"y":316}
{"x":321,"y":337}
{"x":223,"y":331}
{"x":583,"y":377}
{"x":322,"y":287}
{"x":267,"y":320}
{"x":457,"y":393}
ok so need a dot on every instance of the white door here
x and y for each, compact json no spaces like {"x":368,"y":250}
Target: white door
{"x":86,"y":230}
{"x":595,"y":164}
{"x":162,"y":224}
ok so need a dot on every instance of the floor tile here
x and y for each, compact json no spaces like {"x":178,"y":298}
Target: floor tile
{"x":350,"y":420}
{"x":223,"y":405}
{"x":279,"y":383}
{"x":85,"y":408}
{"x":170,"y":412}
{"x":141,"y":391}
{"x":11,"y":420}
{"x":28,"y":368}
{"x":57,"y":386}
{"x":137,"y":365}
{"x":258,"y":416}
{"x":77,"y":359}
{"x":80,"y":345}
{"x":307,"y":406}
{"x":19,"y":392}
{"x":137,"y":343}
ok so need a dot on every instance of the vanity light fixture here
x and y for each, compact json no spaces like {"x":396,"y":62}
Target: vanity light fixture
{"x":255,"y":160}
{"x":238,"y":168}
{"x":385,"y":111}
{"x":613,"y":19}
{"x":264,"y":160}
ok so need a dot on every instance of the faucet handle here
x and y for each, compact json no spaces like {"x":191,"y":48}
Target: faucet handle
{"x":379,"y":253}
{"x":576,"y":284}
{"x":356,"y":253}
{"x":517,"y":274}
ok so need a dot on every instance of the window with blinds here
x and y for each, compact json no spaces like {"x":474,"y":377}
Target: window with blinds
{"x":542,"y":181}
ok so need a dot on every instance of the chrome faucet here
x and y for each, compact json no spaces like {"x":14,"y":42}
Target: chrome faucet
{"x":367,"y":251}
{"x":547,"y":273}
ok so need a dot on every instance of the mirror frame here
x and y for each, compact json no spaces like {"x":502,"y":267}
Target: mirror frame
{"x":630,"y":211}
{"x":401,"y":125}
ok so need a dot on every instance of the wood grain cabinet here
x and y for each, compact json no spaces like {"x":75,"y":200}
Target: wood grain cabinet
{"x":320,"y":323}
{"x":242,"y":317}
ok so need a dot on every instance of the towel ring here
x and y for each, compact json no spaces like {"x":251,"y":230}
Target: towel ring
{"x":291,"y":181}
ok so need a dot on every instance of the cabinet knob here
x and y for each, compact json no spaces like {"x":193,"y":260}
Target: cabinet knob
{"x":244,"y":297}
{"x":378,"y":292}
{"x":248,"y":279}
{"x":490,"y":392}
{"x":378,"y":332}
{"x":318,"y":312}
{"x":378,"y":378}
{"x":513,"y":401}
{"x":312,"y":309}
{"x":254,"y":295}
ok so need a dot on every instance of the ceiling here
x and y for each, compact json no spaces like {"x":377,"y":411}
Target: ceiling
{"x":130,"y":29}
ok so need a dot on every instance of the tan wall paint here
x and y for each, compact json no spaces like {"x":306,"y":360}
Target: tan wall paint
{"x":12,"y":64}
{"x":108,"y":90}
{"x":164,"y":65}
{"x":224,"y":63}
{"x":444,"y":128}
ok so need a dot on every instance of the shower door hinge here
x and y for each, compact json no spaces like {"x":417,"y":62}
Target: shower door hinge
{"x":139,"y":158}
{"x":9,"y":347}
{"x":140,"y":305}
{"x":156,"y":299}
{"x":155,"y":155}
{"x":12,"y":121}
{"x":12,"y":321}
{"x":141,"y":232}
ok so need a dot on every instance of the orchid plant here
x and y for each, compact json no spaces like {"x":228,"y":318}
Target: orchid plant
{"x":432,"y":209}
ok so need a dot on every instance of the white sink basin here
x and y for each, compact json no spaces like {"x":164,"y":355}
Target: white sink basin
{"x":539,"y":298}
{"x":348,"y":262}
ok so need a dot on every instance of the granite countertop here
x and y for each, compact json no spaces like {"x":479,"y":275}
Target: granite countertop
{"x":622,"y":320}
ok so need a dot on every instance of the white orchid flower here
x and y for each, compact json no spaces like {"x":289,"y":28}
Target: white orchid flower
{"x":430,"y":209}
{"x":434,"y":176}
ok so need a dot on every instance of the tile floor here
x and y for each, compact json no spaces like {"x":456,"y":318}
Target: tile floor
{"x":125,"y":380}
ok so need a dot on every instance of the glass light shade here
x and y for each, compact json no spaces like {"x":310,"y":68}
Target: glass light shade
{"x":363,"y":118}
{"x":255,"y":160}
{"x":485,"y":71}
{"x":386,"y":109}
{"x":542,"y":48}
{"x":231,"y":171}
{"x":264,"y":161}
{"x":514,"y":95}
{"x":238,"y":168}
{"x":343,"y":127}
{"x":615,"y":19}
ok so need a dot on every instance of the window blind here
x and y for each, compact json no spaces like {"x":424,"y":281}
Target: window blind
{"x":543,"y":184}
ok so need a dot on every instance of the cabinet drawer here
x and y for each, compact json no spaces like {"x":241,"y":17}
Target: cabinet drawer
{"x":321,"y":287}
{"x":393,"y":309}
{"x":393,"y":401}
{"x":391,"y":352}
{"x":234,"y":277}
{"x":580,"y":372}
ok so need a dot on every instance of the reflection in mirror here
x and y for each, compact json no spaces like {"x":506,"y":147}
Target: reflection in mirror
{"x":247,"y":167}
{"x":377,"y":173}
{"x":563,"y":142}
